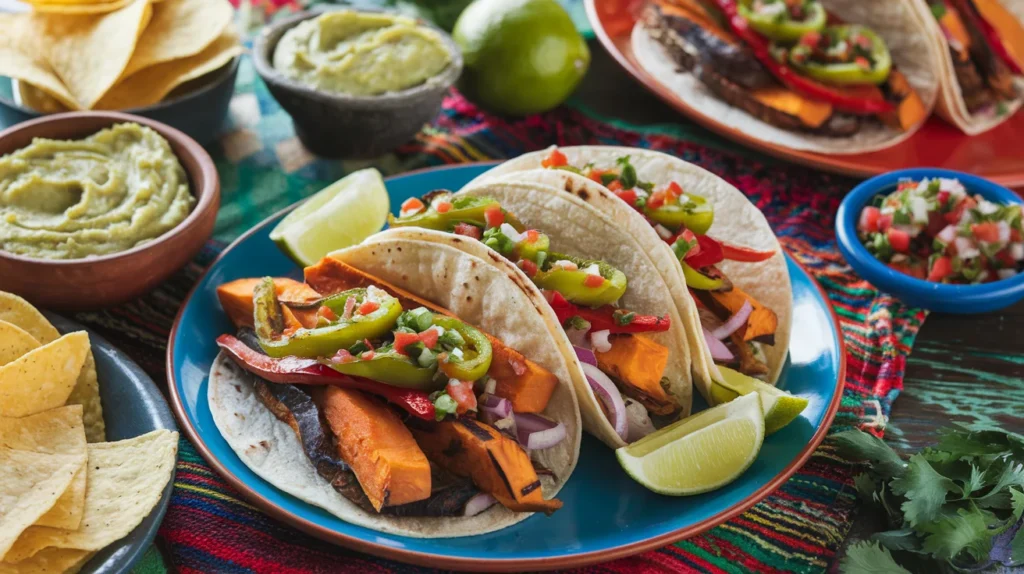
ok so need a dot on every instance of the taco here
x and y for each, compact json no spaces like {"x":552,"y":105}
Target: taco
{"x":982,"y":48}
{"x":702,"y":234}
{"x":609,"y":305}
{"x":830,"y":76}
{"x":405,"y":387}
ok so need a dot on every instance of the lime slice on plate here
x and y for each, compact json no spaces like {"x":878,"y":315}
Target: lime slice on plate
{"x":342,"y":214}
{"x":702,"y":452}
{"x":780,"y":408}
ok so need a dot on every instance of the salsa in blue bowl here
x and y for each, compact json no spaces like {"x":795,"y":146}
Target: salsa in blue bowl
{"x":990,"y":246}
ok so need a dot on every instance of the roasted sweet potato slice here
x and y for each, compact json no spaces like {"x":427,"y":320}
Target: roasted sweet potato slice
{"x":236,"y":299}
{"x":811,"y":114}
{"x":528,"y":385}
{"x":638,"y":363}
{"x":761,"y":324}
{"x":911,"y":110}
{"x":372,"y":440}
{"x":494,"y":462}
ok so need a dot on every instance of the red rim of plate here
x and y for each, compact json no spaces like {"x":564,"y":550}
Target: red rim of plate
{"x":475,"y":564}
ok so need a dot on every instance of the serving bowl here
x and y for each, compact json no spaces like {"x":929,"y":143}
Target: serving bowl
{"x":198,"y":107}
{"x":343,"y":125}
{"x":960,"y":299}
{"x":96,"y":282}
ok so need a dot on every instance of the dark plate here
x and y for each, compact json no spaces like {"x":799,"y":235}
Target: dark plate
{"x":132,"y":406}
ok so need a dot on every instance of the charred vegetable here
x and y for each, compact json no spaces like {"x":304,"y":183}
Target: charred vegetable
{"x":636,"y":363}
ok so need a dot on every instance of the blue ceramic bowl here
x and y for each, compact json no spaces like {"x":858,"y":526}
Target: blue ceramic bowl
{"x":961,"y":299}
{"x":198,"y":108}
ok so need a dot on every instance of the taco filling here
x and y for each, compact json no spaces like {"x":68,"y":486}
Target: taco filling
{"x":404,"y":409}
{"x":986,"y":44}
{"x":623,"y":366}
{"x":788,"y":63}
{"x":734,"y":324}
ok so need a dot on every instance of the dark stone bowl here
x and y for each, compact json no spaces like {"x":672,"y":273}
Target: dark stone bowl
{"x":346,"y":126}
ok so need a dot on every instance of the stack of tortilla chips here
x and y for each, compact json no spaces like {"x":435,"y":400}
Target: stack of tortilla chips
{"x":113,"y":55}
{"x":64,"y":494}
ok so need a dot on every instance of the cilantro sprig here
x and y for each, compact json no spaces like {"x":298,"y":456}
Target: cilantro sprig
{"x":956,"y":506}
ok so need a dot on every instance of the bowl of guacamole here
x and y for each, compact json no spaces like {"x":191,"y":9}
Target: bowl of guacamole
{"x":98,"y":207}
{"x":356,"y":83}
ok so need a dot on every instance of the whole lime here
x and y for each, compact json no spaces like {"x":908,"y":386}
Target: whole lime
{"x":521,"y":56}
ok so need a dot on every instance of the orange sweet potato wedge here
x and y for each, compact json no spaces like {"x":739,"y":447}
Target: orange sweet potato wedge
{"x":526,"y":384}
{"x":494,"y":462}
{"x":761,"y":324}
{"x":638,"y":363}
{"x":236,"y":299}
{"x":390,"y":466}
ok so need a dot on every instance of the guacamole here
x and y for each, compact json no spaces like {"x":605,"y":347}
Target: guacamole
{"x":361,"y":53}
{"x":71,"y":199}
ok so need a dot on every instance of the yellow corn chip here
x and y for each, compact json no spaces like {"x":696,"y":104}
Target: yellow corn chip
{"x":179,"y":28}
{"x":126,"y":480}
{"x":14,"y":342}
{"x":21,"y":313}
{"x":43,"y":378}
{"x":87,"y":393}
{"x":56,"y":431}
{"x":50,"y":561}
{"x":150,"y":85}
{"x":78,"y":9}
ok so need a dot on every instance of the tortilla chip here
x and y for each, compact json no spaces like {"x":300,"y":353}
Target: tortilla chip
{"x":126,"y":480}
{"x":90,"y":53}
{"x":78,"y":9}
{"x":50,"y":561}
{"x":37,"y":72}
{"x":87,"y":393}
{"x":30,"y":484}
{"x":43,"y":378}
{"x":56,"y":431}
{"x":152,"y":84}
{"x":14,"y":342}
{"x":179,"y":29}
{"x":21,"y":313}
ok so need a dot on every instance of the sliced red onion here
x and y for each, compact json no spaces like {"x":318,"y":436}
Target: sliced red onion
{"x":495,"y":407}
{"x":640,"y":424}
{"x":350,"y":304}
{"x":478,"y":504}
{"x":536,"y":432}
{"x":738,"y":319}
{"x":586,"y":356}
{"x":578,"y":337}
{"x":719,"y":351}
{"x":606,"y":392}
{"x":599,"y":341}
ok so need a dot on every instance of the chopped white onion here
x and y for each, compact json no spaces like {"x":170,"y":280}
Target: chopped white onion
{"x":965,"y":248}
{"x":599,"y":341}
{"x":1017,"y":251}
{"x":719,"y":351}
{"x":586,"y":356}
{"x":478,"y":504}
{"x":1006,"y":273}
{"x":510,"y":232}
{"x":663,"y":232}
{"x":911,"y":230}
{"x":1004,"y":232}
{"x":953,"y":186}
{"x":490,"y":384}
{"x":457,"y":352}
{"x":536,"y":432}
{"x":919,"y":206}
{"x":986,"y":207}
{"x":738,"y":319}
{"x":593,"y":269}
{"x":610,"y":397}
{"x":947,"y":235}
{"x":638,"y":421}
{"x":565,"y":264}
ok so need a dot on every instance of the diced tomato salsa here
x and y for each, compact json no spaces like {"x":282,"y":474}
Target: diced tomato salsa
{"x":935,"y":229}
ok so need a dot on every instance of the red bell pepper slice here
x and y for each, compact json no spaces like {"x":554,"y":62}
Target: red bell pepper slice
{"x":745,"y":254}
{"x":992,"y":39}
{"x":298,"y":371}
{"x":606,"y":317}
{"x":709,"y":253}
{"x":866,"y":100}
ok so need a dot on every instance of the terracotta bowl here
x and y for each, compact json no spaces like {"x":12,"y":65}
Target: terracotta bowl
{"x":96,"y":282}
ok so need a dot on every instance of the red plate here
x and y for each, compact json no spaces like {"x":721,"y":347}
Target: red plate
{"x":992,"y":155}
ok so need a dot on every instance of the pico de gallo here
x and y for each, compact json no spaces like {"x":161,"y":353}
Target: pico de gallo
{"x":734,"y":323}
{"x":934,"y":229}
{"x":584,"y":294}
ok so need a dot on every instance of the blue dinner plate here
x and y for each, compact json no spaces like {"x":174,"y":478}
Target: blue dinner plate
{"x":132,"y":406}
{"x":605,"y":514}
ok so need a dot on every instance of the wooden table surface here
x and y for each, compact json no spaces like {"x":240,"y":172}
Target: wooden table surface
{"x":967,"y":368}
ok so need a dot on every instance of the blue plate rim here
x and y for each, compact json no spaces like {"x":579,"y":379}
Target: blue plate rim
{"x":500,"y":564}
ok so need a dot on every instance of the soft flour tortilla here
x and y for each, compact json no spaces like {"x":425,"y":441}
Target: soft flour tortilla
{"x":898,"y":22}
{"x":571,"y":210}
{"x":951,"y":106}
{"x":479,"y":293}
{"x":737,"y":221}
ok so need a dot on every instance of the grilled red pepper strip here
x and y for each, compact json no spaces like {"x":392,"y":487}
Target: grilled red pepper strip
{"x":867,"y":102}
{"x":992,"y":39}
{"x":745,"y":254}
{"x":606,"y":317}
{"x":299,"y":371}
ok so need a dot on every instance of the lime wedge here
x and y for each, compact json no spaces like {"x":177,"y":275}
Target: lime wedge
{"x":780,"y":408}
{"x":702,"y":452}
{"x":342,"y":214}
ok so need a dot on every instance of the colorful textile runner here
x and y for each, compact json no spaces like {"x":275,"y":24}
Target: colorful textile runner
{"x":798,"y":528}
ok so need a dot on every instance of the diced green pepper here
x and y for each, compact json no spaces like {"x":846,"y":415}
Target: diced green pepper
{"x":572,"y":284}
{"x":851,"y":72}
{"x":533,"y":250}
{"x":781,"y":27}
{"x":444,"y":405}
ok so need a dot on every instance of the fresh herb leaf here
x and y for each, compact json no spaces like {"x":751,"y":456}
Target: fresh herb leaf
{"x":999,"y":496}
{"x":870,"y":558}
{"x":960,"y":441}
{"x":866,"y":487}
{"x":963,"y":531}
{"x":858,"y":445}
{"x":975,"y":482}
{"x":924,"y":489}
{"x":1017,"y":547}
{"x":1018,"y":503}
{"x":904,"y":539}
